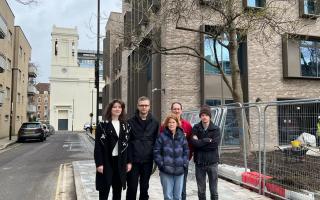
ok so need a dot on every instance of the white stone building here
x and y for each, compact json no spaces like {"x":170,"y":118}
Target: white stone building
{"x":73,"y":96}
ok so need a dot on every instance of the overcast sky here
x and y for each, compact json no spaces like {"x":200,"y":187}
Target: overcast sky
{"x":37,"y":20}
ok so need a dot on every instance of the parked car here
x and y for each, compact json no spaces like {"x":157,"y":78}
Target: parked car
{"x":46,"y":130}
{"x":51,"y":129}
{"x":32,"y":130}
{"x":86,"y":126}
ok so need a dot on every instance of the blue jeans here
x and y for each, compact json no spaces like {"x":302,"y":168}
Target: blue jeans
{"x":172,"y":186}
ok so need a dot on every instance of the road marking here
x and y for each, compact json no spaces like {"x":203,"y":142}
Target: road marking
{"x":58,"y":183}
{"x":65,"y":184}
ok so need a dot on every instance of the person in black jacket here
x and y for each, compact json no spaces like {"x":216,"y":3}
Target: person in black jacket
{"x":144,"y":132}
{"x":110,"y":151}
{"x":205,"y":141}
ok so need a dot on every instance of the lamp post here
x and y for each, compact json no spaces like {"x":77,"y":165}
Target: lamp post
{"x":97,"y":61}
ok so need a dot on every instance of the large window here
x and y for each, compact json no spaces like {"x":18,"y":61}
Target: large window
{"x":222,"y":54}
{"x":310,"y":7}
{"x":255,"y":3}
{"x":310,"y":58}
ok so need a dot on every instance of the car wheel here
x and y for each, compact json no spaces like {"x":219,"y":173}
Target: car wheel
{"x":88,"y":129}
{"x":20,"y":140}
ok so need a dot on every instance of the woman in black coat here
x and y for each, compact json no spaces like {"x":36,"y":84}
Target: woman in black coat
{"x":110,"y":151}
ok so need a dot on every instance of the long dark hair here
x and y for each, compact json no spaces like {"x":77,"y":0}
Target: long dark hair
{"x":107,"y":111}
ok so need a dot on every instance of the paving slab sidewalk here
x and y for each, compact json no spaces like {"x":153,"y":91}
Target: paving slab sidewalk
{"x":5,"y":142}
{"x":84,"y":173}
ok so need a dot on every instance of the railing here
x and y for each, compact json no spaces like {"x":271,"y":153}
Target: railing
{"x":32,"y":89}
{"x":3,"y":63}
{"x":3,"y":28}
{"x":31,"y":109}
{"x":32,"y":71}
{"x":256,"y":148}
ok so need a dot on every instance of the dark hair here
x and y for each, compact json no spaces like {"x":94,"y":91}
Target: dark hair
{"x":171,"y":116}
{"x":176,"y":102}
{"x":107,"y":111}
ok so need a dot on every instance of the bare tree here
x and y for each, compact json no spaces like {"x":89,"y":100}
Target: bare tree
{"x":27,"y":2}
{"x":231,"y":22}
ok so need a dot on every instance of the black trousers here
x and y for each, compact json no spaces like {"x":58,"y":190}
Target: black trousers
{"x":201,"y":173}
{"x":184,"y":189}
{"x":142,"y":171}
{"x":116,"y":183}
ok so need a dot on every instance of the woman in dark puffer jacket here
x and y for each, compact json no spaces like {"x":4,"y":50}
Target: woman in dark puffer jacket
{"x":171,"y":155}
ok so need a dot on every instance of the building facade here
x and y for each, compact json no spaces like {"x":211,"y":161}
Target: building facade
{"x":42,"y":99}
{"x":6,"y":64}
{"x":20,"y":77}
{"x":288,"y":69}
{"x":71,"y":82}
{"x":32,"y":103}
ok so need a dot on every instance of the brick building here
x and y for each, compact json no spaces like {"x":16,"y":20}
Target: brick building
{"x":289,"y":69}
{"x":43,"y":102}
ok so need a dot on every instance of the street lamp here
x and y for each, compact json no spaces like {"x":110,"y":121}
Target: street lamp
{"x":97,"y":62}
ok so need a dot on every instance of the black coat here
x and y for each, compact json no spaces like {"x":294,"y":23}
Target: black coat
{"x":142,"y":138}
{"x":105,"y":141}
{"x":206,"y":150}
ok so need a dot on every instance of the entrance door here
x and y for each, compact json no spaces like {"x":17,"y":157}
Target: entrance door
{"x":62,"y":124}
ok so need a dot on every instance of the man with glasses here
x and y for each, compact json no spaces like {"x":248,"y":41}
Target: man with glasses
{"x":144,"y":132}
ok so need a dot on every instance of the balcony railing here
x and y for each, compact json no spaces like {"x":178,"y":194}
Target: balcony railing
{"x":31,"y":109}
{"x":32,"y":90}
{"x":3,"y":28}
{"x":2,"y":63}
{"x":1,"y":97}
{"x":32,"y":71}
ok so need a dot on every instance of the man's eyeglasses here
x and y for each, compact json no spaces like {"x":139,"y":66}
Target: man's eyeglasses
{"x":143,"y":105}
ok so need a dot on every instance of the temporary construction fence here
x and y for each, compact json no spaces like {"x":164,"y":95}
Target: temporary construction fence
{"x":256,"y":149}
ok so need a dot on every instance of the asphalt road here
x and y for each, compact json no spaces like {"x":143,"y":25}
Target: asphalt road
{"x":30,"y":170}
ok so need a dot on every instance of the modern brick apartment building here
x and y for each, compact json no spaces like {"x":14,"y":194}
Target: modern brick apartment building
{"x":288,"y":69}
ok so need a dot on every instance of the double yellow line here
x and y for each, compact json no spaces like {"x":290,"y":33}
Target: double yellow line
{"x":61,"y":191}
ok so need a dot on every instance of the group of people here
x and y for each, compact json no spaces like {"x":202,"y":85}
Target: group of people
{"x":126,"y":149}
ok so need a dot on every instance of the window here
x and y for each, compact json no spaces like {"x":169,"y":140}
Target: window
{"x":310,"y":58}
{"x":18,"y":97}
{"x":213,"y":102}
{"x":254,"y":3}
{"x":222,"y":53}
{"x":39,"y":107}
{"x":9,"y":64}
{"x":73,"y":48}
{"x":7,"y":93}
{"x":56,"y":48}
{"x":20,"y":51}
{"x":301,"y":56}
{"x":45,"y":107}
{"x":10,"y":37}
{"x":309,"y":8}
{"x":39,"y":99}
